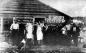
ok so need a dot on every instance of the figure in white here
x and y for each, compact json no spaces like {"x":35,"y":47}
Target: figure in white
{"x":29,"y":29}
{"x":39,"y":33}
{"x":29,"y":35}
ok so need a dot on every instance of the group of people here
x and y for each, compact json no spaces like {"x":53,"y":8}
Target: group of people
{"x":33,"y":32}
{"x":72,"y":31}
{"x":39,"y":32}
{"x":29,"y":32}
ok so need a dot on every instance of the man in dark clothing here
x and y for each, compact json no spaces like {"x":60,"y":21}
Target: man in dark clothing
{"x":75,"y":33}
{"x":22,"y":30}
{"x":15,"y":32}
{"x":34,"y":33}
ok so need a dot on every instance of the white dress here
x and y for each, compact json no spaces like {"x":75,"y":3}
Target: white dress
{"x":39,"y":33}
{"x":29,"y":29}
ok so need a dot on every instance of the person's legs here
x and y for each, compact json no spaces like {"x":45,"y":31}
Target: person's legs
{"x":32,"y":41}
{"x":40,"y":42}
{"x":76,"y":38}
{"x":75,"y":41}
{"x":71,"y":39}
{"x":13,"y":37}
{"x":29,"y":43}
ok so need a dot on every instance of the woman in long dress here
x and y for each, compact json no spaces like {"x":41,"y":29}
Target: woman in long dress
{"x":39,"y":34}
{"x":29,"y":34}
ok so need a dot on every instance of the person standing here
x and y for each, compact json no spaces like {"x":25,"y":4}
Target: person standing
{"x":39,"y":34}
{"x":34,"y":33}
{"x":29,"y":34}
{"x":15,"y":31}
{"x":76,"y":32}
{"x":29,"y":28}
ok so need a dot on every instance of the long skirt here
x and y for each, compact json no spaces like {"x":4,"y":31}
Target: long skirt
{"x":29,"y":35}
{"x":39,"y":35}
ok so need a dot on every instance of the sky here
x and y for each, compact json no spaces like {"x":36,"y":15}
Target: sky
{"x":72,"y":8}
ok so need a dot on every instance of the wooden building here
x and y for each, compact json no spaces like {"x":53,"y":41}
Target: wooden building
{"x":25,"y":9}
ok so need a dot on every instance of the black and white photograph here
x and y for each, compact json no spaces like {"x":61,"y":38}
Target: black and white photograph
{"x":42,"y":26}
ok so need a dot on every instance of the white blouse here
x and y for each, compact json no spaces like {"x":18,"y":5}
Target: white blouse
{"x":14,"y":26}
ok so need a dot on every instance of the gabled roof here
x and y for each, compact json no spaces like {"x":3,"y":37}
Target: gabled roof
{"x":33,"y":7}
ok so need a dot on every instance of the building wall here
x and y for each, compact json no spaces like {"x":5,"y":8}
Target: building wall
{"x":29,"y":8}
